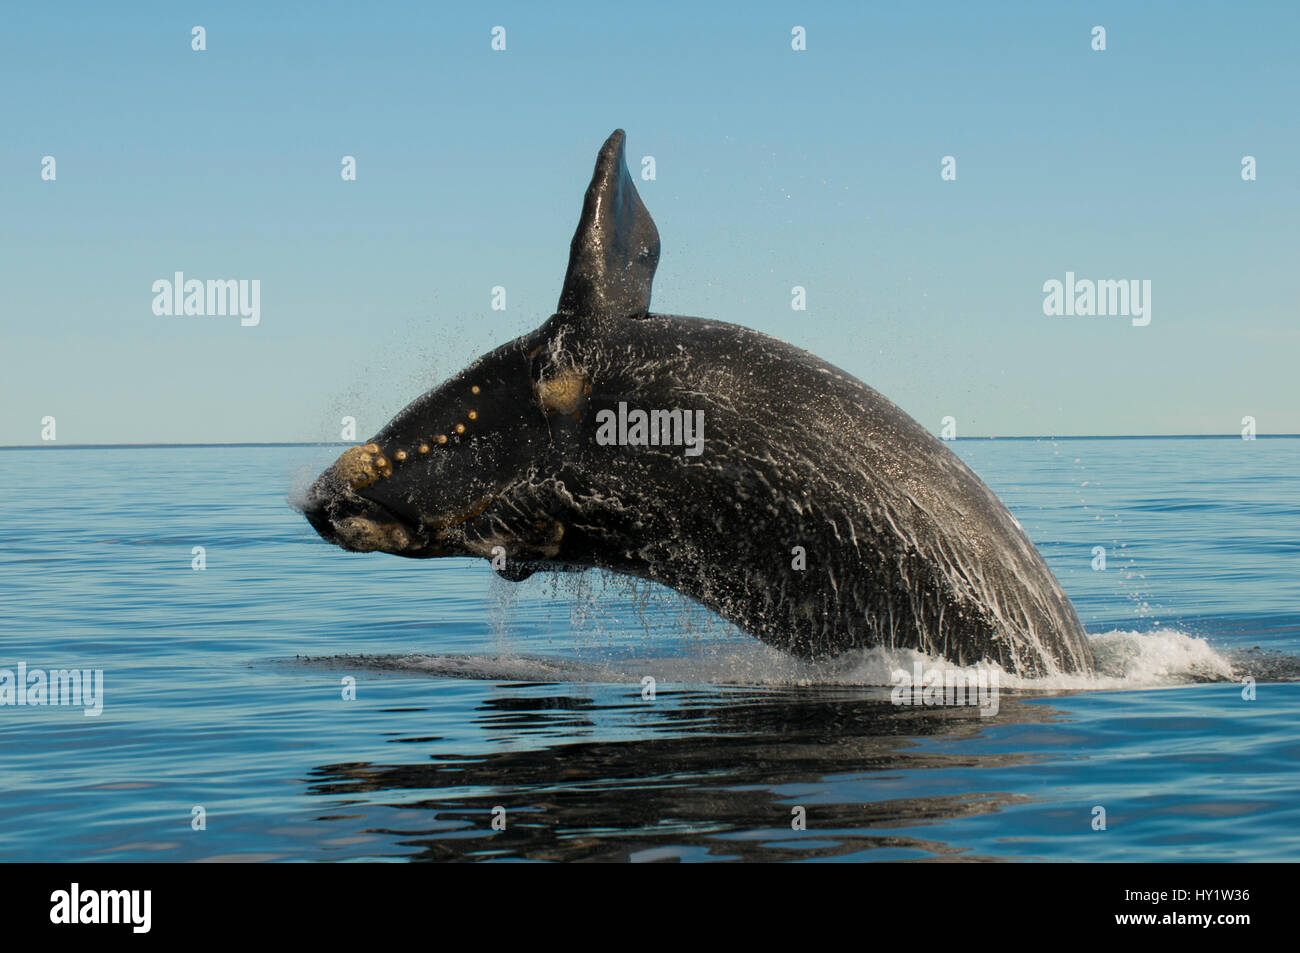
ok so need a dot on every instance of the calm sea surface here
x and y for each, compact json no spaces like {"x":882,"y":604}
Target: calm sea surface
{"x":476,"y":698}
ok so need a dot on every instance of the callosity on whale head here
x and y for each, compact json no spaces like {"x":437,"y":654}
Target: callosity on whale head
{"x":469,"y":466}
{"x":702,"y":455}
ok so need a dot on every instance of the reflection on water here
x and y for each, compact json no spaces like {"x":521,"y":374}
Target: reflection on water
{"x":706,"y":774}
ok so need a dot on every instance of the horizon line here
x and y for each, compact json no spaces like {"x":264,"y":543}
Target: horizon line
{"x":55,"y":445}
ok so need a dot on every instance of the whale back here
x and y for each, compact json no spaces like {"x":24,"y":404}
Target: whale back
{"x":904,"y":545}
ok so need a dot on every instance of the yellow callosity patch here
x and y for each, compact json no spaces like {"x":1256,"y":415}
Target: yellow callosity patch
{"x":368,"y":536}
{"x":563,"y":393}
{"x":357,"y":467}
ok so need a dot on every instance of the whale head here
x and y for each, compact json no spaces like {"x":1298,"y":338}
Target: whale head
{"x":470,"y":468}
{"x":436,"y":466}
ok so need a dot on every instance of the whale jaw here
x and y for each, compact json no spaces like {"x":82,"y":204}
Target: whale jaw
{"x":350,"y":521}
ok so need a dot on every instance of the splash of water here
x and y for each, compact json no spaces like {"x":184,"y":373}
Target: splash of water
{"x":1127,"y":660}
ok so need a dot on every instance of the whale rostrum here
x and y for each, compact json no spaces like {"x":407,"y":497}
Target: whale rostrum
{"x":815,"y":515}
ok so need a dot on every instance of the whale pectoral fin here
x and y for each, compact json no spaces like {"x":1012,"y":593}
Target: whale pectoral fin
{"x":615,"y":250}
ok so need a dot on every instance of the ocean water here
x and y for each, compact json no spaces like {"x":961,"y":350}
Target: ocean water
{"x":479,"y":700}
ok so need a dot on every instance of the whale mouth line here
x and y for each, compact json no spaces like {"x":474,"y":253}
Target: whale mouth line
{"x":381,"y":531}
{"x":375,"y":529}
{"x":365,"y":535}
{"x":362,"y":525}
{"x":355,"y":520}
{"x":460,"y":517}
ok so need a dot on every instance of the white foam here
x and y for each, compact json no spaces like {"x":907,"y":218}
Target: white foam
{"x":1159,"y":657}
{"x":1125,"y":660}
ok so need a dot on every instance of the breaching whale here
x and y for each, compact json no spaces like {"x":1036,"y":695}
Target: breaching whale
{"x":816,"y":515}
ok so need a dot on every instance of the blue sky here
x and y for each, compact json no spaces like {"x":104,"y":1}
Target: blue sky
{"x":775,"y":168}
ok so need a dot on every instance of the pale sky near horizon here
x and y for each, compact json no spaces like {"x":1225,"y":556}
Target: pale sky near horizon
{"x":775,"y":168}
